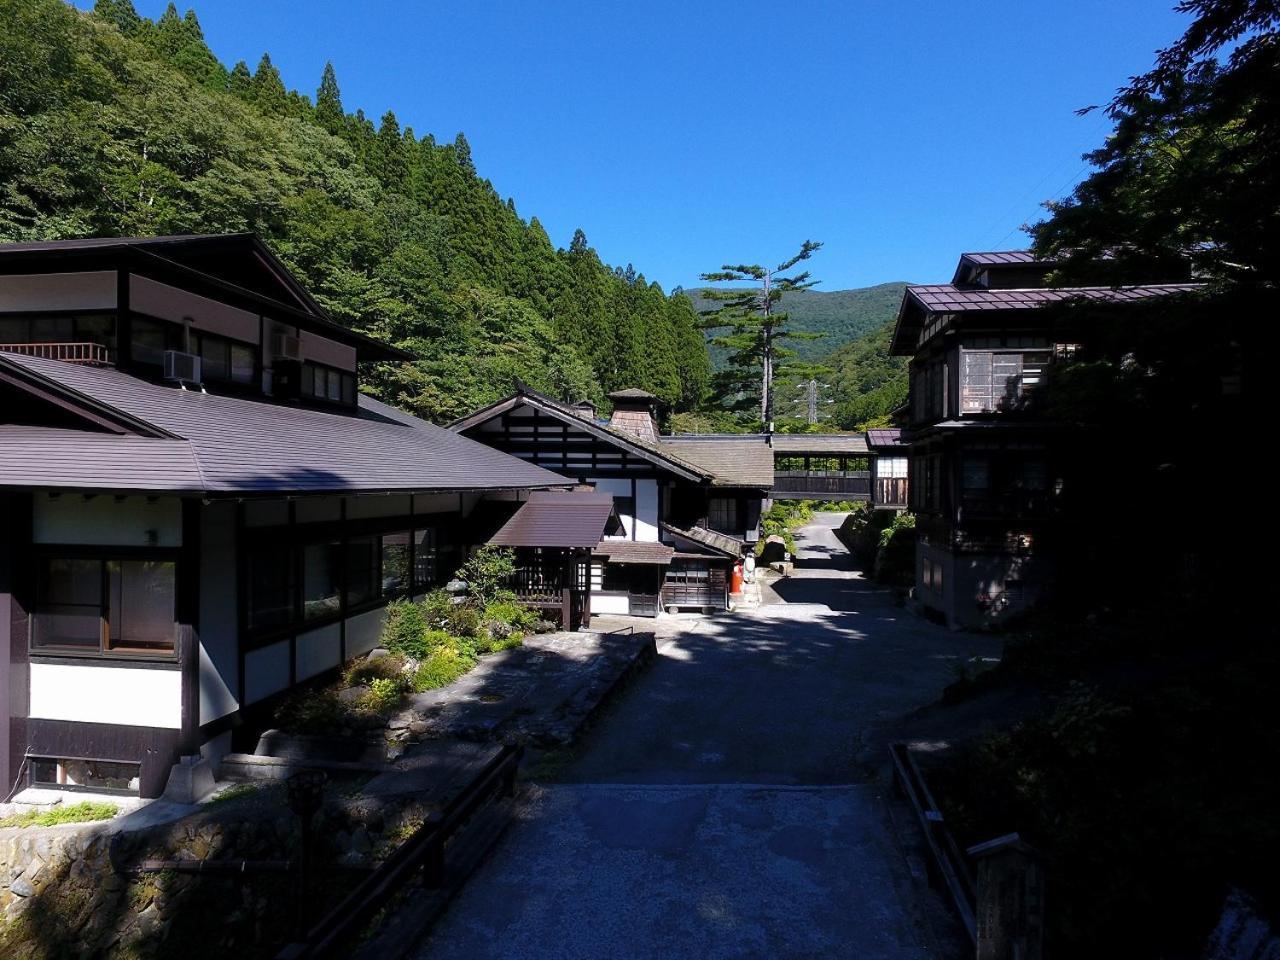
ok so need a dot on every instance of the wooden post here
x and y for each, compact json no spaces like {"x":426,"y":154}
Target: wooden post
{"x":1010,"y":893}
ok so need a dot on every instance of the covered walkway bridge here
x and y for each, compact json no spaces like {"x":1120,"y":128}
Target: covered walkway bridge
{"x":840,"y":466}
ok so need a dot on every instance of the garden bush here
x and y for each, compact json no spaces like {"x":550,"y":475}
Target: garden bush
{"x":444,"y":665}
{"x":896,"y":558}
{"x":486,"y":572}
{"x":363,"y":671}
{"x":405,"y":629}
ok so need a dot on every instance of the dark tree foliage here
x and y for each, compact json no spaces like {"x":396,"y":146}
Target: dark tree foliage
{"x":113,"y":125}
{"x":756,"y":328}
{"x":1190,"y":170}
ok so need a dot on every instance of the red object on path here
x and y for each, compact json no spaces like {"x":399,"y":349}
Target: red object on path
{"x":735,"y":585}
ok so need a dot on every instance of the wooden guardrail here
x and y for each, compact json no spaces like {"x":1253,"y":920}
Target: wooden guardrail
{"x":425,"y":853}
{"x":94,"y":353}
{"x":947,"y":861}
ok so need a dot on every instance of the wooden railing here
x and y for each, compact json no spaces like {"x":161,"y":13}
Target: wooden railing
{"x":891,"y":491}
{"x":821,"y":484}
{"x":94,"y":353}
{"x":537,"y":583}
{"x":424,"y":854}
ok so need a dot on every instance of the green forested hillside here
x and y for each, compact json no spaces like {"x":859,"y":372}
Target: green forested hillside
{"x":111,"y":124}
{"x":866,"y":382}
{"x":839,"y":315}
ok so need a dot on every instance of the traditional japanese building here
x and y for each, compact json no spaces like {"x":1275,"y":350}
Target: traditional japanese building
{"x":198,"y":510}
{"x":987,"y":465}
{"x":689,"y":505}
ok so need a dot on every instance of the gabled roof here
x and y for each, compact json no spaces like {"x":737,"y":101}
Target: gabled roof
{"x":569,"y":519}
{"x":634,"y":551}
{"x":922,"y":300}
{"x":245,"y":447}
{"x":848,"y":444}
{"x":237,"y":267}
{"x":601,"y":431}
{"x":732,"y":460}
{"x":718,"y":542}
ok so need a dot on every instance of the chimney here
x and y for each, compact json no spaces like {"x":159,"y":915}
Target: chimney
{"x":584,"y":409}
{"x":635,"y":412}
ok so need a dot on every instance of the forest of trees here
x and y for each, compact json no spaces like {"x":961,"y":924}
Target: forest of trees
{"x":114,"y":125}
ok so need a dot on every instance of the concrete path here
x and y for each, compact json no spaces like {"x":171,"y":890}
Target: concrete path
{"x":732,"y":803}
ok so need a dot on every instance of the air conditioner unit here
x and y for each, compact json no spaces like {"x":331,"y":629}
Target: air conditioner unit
{"x":286,"y":347}
{"x":183,"y":367}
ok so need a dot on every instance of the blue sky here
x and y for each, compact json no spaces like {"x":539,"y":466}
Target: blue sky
{"x":681,"y":135}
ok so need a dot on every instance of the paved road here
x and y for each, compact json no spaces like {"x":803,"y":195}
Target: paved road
{"x":731,"y":804}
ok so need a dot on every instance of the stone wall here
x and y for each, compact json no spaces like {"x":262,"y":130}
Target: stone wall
{"x":74,"y":891}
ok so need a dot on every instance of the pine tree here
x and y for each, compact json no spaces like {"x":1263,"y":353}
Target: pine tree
{"x":388,"y":161}
{"x":268,"y":88}
{"x":578,"y":245}
{"x":755,"y":327}
{"x":240,"y":81}
{"x":329,"y":112}
{"x":121,"y":13}
{"x":462,"y":153}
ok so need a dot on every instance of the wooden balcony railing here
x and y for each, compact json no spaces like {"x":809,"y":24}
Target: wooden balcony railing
{"x":822,"y":484}
{"x":92,"y":353}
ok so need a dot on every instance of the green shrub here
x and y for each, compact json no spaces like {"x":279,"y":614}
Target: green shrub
{"x":463,"y":621}
{"x":406,"y":625}
{"x":436,"y":606}
{"x":434,"y":640}
{"x":384,"y":695}
{"x":511,"y":613}
{"x":896,"y":558}
{"x":363,"y":671}
{"x":444,"y":665}
{"x":487,"y":572}
{"x":313,"y":711}
{"x":75,"y":813}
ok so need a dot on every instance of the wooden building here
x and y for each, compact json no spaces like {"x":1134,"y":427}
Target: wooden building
{"x":986,"y":466}
{"x":689,"y":506}
{"x":197,"y":508}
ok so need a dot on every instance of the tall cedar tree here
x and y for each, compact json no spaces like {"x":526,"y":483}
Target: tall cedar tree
{"x":130,"y":131}
{"x":756,"y":328}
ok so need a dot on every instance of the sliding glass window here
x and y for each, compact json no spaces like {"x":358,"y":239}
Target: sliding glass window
{"x":105,"y":606}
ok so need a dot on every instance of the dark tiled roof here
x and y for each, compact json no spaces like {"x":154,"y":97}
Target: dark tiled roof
{"x":250,"y":446}
{"x":569,"y":519}
{"x":1002,"y":258}
{"x":948,"y":298}
{"x":634,"y":551}
{"x":884,"y":437}
{"x":732,"y":461}
{"x":719,"y":542}
{"x":632,"y":393}
{"x":51,"y":457}
{"x":850,"y":444}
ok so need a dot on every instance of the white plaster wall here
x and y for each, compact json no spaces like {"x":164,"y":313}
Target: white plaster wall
{"x":219,"y":654}
{"x":171,"y":303}
{"x":606,"y":603}
{"x":94,"y":290}
{"x":266,"y":671}
{"x":130,"y":696}
{"x":319,"y":650}
{"x":323,"y":350}
{"x":364,"y":630}
{"x":106,"y":521}
{"x":647,"y":510}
